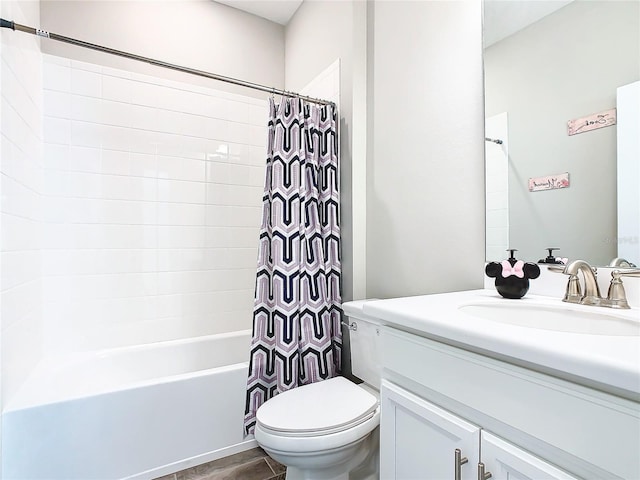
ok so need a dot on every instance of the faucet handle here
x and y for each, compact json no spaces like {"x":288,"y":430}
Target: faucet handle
{"x":573,"y":293}
{"x":630,"y":272}
{"x":617,"y":297}
{"x":563,"y":269}
{"x":556,"y":268}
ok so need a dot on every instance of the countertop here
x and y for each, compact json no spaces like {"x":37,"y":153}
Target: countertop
{"x":606,"y":362}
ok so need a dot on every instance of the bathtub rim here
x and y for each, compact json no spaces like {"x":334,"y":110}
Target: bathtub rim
{"x":23,"y":400}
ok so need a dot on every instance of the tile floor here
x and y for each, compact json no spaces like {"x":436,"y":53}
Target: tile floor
{"x":252,"y":464}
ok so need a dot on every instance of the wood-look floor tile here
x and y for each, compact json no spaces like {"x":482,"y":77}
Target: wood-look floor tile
{"x":255,"y":470}
{"x":282,"y":476}
{"x":277,"y":468}
{"x":200,"y":472}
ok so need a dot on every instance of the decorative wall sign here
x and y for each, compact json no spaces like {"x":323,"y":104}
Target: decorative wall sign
{"x":550,"y":182}
{"x":591,"y":122}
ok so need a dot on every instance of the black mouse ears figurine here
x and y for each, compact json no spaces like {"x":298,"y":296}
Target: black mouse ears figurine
{"x":512,"y":276}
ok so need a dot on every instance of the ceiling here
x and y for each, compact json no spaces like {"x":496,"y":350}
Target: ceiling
{"x":501,"y":17}
{"x":504,"y":18}
{"x":278,"y":11}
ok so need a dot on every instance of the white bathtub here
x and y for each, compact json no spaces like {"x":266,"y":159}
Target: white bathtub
{"x":135,"y":412}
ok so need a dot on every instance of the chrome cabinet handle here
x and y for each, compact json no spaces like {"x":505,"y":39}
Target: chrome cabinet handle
{"x":481,"y":473}
{"x":459,"y":461}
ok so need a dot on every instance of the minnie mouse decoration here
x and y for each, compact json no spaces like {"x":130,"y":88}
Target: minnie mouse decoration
{"x":512,"y":276}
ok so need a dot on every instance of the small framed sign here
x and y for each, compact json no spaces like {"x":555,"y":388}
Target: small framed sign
{"x":550,"y":182}
{"x":591,"y":122}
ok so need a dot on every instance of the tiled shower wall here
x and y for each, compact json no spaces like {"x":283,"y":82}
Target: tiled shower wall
{"x":497,"y":187}
{"x":153,"y":191}
{"x":21,"y":183}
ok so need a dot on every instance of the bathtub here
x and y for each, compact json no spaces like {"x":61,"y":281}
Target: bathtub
{"x":134,"y":412}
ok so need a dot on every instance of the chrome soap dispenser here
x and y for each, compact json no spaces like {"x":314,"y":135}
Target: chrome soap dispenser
{"x":512,"y":275}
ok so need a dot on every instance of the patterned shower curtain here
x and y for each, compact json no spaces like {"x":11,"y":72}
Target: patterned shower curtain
{"x":297,"y":309}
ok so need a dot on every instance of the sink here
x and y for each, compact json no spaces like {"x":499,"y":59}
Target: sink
{"x":559,"y":318}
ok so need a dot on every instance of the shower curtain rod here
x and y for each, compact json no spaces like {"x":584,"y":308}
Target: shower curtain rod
{"x":61,"y":38}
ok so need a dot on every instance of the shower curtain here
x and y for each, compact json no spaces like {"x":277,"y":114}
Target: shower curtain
{"x":297,"y":337}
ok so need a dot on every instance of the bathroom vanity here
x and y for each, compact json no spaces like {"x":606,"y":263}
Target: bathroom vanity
{"x":467,"y":397}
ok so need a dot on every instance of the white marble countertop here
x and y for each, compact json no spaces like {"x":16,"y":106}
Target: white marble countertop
{"x":607,"y":362}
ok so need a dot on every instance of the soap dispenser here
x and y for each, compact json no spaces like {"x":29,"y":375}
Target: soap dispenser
{"x":551,"y":258}
{"x":512,"y":275}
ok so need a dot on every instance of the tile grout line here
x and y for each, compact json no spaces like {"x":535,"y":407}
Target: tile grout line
{"x":269,"y":465}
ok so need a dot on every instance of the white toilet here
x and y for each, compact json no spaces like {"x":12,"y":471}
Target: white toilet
{"x":329,"y":430}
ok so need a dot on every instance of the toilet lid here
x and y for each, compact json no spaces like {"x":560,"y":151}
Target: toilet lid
{"x":320,"y":408}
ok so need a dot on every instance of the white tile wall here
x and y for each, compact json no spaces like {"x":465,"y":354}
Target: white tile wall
{"x":153,"y":207}
{"x":497,"y":187}
{"x":21,"y":185}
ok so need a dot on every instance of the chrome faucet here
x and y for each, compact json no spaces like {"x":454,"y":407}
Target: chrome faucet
{"x":591,"y":288}
{"x":616,"y":297}
{"x":620,"y":262}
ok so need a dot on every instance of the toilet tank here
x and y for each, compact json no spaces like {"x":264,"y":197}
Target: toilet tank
{"x":364,"y":334}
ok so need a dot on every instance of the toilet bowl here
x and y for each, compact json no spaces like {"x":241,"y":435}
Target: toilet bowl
{"x":329,"y":430}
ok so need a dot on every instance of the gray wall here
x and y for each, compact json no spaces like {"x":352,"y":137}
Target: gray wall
{"x":425,"y":197}
{"x":198,"y":34}
{"x":567,"y":65}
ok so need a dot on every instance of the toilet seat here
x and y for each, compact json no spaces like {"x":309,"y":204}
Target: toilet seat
{"x":320,"y":408}
{"x":320,"y":416}
{"x":315,"y":433}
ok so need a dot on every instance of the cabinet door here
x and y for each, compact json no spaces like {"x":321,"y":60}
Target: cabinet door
{"x":507,"y":462}
{"x":418,"y":440}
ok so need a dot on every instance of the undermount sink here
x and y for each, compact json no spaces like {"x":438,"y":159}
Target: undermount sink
{"x":557,"y":318}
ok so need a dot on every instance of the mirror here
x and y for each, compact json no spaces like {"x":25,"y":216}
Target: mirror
{"x":548,"y":62}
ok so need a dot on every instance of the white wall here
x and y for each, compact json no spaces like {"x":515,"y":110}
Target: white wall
{"x":21,"y":180}
{"x":566,"y":66}
{"x":497,"y":186}
{"x":425,"y":197}
{"x":311,"y":47}
{"x":199,"y":34}
{"x":628,"y":142}
{"x":154,"y":192}
{"x":424,"y":167}
{"x":310,"y":50}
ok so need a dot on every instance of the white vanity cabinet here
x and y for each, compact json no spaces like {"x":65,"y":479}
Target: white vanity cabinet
{"x":519,"y":423}
{"x":507,"y":462}
{"x":422,"y":441}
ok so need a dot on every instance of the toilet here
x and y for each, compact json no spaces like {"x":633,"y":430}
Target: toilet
{"x":329,"y":430}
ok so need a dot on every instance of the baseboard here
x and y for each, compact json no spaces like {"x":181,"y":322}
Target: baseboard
{"x":194,"y":461}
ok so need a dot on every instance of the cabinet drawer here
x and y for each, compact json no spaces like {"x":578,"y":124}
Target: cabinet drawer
{"x":591,"y":427}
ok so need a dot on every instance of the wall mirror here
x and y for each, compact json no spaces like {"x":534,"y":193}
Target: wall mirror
{"x":548,"y":62}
